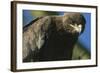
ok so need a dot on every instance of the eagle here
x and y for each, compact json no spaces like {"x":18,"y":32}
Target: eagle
{"x":52,"y":38}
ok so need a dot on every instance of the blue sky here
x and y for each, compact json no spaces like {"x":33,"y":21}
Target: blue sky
{"x":85,"y":38}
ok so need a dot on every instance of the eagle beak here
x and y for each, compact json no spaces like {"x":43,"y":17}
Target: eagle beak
{"x":77,"y":28}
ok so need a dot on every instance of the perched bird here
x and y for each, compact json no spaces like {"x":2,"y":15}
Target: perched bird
{"x":52,"y":38}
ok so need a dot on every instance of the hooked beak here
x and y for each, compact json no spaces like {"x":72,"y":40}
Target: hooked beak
{"x":77,"y":28}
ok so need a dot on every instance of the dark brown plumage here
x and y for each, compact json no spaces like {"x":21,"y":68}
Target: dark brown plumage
{"x":52,"y":38}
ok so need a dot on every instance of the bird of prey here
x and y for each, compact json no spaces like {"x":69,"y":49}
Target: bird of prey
{"x":52,"y":38}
